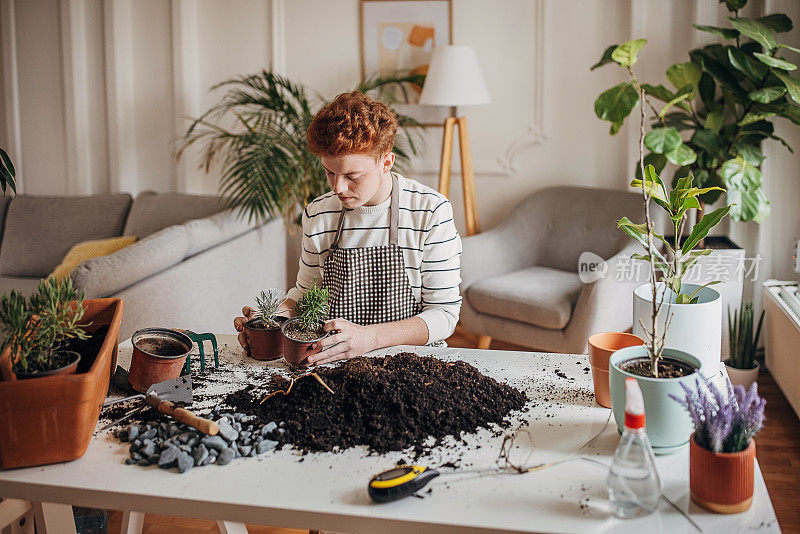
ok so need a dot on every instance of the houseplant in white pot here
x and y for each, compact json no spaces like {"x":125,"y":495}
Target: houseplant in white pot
{"x":742,"y":366}
{"x":723,"y":449}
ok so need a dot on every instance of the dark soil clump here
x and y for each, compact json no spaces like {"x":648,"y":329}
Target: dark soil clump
{"x":386,"y":403}
{"x":667,"y":368}
{"x":88,"y":348}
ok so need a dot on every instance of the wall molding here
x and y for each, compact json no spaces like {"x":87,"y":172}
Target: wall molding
{"x":185,"y":79}
{"x":8,"y":32}
{"x":121,"y":112}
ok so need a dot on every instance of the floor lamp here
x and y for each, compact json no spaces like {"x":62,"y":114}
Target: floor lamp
{"x":454,"y":79}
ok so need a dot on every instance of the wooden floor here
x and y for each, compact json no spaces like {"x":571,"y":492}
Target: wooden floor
{"x":777,"y":450}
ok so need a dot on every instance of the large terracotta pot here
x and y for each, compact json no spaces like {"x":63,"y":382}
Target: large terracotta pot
{"x":297,"y":352}
{"x":51,"y":419}
{"x":265,"y":344}
{"x":722,"y":482}
{"x":159,"y":354}
{"x":601,"y":347}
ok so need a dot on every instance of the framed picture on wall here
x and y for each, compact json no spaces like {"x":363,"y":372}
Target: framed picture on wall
{"x":401,"y":35}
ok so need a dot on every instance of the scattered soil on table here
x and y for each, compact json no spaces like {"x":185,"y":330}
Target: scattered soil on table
{"x":667,"y":368}
{"x":386,"y":403}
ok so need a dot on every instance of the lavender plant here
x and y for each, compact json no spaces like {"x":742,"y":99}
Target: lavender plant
{"x":723,"y":423}
{"x":267,"y":306}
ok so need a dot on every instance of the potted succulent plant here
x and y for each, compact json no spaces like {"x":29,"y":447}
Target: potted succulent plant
{"x":305,"y":329}
{"x":712,"y":122}
{"x":723,"y":448}
{"x":742,"y":366}
{"x":49,"y":417}
{"x":264,"y":330}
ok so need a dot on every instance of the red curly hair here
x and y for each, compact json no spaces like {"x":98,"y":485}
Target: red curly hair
{"x":352,"y":124}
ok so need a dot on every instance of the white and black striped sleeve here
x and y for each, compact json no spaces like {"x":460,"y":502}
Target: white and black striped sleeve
{"x":310,"y":263}
{"x":441,"y":274}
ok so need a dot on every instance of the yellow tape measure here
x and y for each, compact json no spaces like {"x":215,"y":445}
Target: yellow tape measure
{"x":400,"y":482}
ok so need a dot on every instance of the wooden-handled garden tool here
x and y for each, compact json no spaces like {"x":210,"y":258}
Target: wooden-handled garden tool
{"x":163,"y":397}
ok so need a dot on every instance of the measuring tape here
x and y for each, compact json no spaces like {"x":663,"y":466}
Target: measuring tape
{"x":399,"y":482}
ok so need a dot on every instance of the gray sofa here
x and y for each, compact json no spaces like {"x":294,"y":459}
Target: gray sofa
{"x":194,"y":265}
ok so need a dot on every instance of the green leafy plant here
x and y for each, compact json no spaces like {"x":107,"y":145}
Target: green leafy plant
{"x":267,"y":168}
{"x":313,"y":307}
{"x":7,"y":172}
{"x":37,"y":329}
{"x":267,"y":306}
{"x":712,"y":122}
{"x":743,"y":340}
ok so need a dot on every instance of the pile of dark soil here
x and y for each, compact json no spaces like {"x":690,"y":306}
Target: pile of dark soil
{"x":386,"y":403}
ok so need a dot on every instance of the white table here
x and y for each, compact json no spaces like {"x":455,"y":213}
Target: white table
{"x":328,"y":491}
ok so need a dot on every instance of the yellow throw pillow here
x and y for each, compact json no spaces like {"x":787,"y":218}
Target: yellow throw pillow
{"x":87,"y":250}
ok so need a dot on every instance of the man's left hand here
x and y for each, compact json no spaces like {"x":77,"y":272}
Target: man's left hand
{"x":350,"y":340}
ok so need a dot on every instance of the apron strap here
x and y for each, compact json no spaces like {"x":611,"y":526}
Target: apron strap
{"x":335,"y":243}
{"x":394,"y":211}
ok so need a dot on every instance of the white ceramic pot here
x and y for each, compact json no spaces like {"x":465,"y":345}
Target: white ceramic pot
{"x":695,"y":329}
{"x":742,"y":377}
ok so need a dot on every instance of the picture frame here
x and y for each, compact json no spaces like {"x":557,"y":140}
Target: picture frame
{"x":401,"y":35}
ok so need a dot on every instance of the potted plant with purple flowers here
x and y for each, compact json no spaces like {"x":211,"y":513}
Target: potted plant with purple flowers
{"x":722,"y":450}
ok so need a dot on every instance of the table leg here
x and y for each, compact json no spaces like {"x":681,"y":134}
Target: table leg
{"x":132,"y":522}
{"x":54,"y":518}
{"x":229,"y":527}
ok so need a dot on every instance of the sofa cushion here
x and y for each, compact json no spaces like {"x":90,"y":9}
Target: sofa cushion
{"x":39,"y":230}
{"x":152,"y":211}
{"x":107,"y":275}
{"x":540,"y":296}
{"x":211,"y":231}
{"x":87,"y":250}
{"x":26,"y":286}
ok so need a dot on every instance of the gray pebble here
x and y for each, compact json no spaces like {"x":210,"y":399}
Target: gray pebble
{"x":174,"y":430}
{"x":133,"y":432}
{"x":225,"y":456}
{"x":209,"y":460}
{"x":144,"y":462}
{"x":227,"y":431}
{"x":149,"y":448}
{"x":194,"y":441}
{"x":122,"y":435}
{"x":247,"y":441}
{"x":200,"y":454}
{"x":269,"y":427}
{"x":185,"y":462}
{"x":136,"y":456}
{"x":130,"y":461}
{"x":244,"y":434}
{"x":214,"y":442}
{"x":150,"y":434}
{"x":154,"y":458}
{"x":238,"y":416}
{"x":185,"y":448}
{"x":245,"y":449}
{"x":168,"y":457}
{"x":266,"y":445}
{"x":252,"y":452}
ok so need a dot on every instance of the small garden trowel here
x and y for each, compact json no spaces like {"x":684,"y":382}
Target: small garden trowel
{"x":163,"y":396}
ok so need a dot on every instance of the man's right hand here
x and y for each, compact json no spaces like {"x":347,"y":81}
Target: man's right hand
{"x":238,"y":324}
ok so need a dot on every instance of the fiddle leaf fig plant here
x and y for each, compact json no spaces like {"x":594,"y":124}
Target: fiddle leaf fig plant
{"x":720,"y":108}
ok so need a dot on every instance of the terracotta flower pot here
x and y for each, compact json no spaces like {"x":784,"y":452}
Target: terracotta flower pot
{"x":51,"y":419}
{"x":159,"y":354}
{"x":69,"y":369}
{"x":297,"y":352}
{"x":722,"y":482}
{"x":601,"y":347}
{"x":265,"y":344}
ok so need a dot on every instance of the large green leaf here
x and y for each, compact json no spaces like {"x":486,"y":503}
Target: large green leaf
{"x":777,"y":22}
{"x":681,"y":155}
{"x":756,"y":31}
{"x":707,"y":89}
{"x":751,"y":153}
{"x":625,"y":54}
{"x":710,"y":142}
{"x":719,"y":70}
{"x":754,"y":70}
{"x":617,"y":103}
{"x":686,"y":92}
{"x":658,"y":161}
{"x":748,"y":205}
{"x":714,"y":121}
{"x":740,"y":174}
{"x":756,"y":116}
{"x":606,"y":58}
{"x":725,"y":33}
{"x":766,"y":95}
{"x":701,"y":229}
{"x":775,"y":62}
{"x":662,"y":140}
{"x":682,"y":74}
{"x":792,"y":85}
{"x":658,"y":91}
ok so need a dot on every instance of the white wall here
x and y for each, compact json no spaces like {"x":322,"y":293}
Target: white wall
{"x":100,"y":86}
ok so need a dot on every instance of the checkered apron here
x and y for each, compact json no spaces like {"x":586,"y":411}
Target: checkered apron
{"x":369,"y":285}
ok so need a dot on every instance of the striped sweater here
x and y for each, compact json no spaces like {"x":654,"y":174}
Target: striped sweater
{"x":427,"y":237}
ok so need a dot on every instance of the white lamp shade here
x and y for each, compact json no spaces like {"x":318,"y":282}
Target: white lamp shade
{"x":454,"y":78}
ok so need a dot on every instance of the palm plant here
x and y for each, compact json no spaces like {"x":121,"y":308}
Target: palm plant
{"x":7,"y":172}
{"x":267,"y":168}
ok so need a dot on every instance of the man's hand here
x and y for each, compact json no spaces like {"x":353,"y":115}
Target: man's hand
{"x":349,"y":341}
{"x":238,"y":324}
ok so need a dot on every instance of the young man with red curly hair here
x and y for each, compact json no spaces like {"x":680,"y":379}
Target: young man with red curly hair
{"x":386,"y":246}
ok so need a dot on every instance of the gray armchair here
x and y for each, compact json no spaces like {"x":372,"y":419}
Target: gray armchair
{"x":520,"y":280}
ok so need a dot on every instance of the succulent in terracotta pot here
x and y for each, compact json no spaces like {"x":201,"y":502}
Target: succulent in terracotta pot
{"x":264,"y":330}
{"x":36,"y":330}
{"x":722,"y":450}
{"x":305,"y":328}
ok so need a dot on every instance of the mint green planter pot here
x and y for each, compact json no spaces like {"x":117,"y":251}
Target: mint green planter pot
{"x":667,"y":424}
